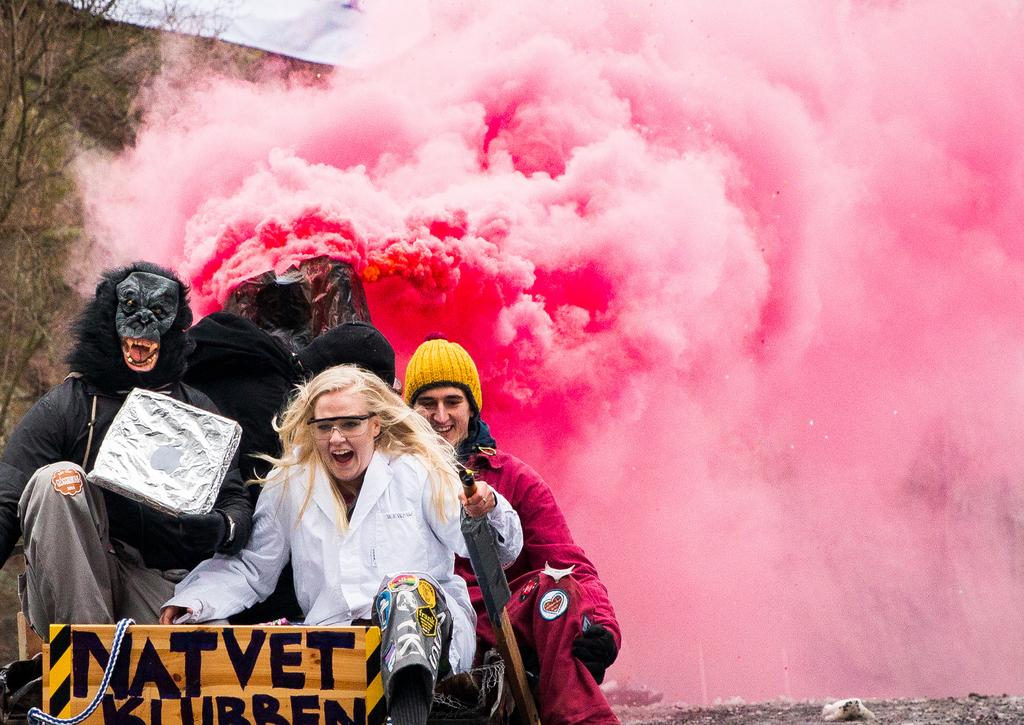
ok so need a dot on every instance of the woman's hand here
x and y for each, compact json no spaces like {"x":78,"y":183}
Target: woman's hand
{"x":169,"y":614}
{"x":481,"y":503}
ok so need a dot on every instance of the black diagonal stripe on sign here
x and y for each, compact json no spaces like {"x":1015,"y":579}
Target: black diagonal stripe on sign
{"x":373,"y":665}
{"x":60,"y":697}
{"x":60,"y":643}
{"x":377,"y":715}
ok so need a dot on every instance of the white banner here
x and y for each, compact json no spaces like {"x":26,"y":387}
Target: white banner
{"x":333,"y":32}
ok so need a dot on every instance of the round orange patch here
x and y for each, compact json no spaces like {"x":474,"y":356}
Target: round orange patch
{"x":67,"y":481}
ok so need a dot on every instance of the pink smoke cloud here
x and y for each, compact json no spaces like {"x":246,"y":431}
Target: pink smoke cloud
{"x":745,"y":284}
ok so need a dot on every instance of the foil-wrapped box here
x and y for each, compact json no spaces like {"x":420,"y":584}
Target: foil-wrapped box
{"x":166,"y":454}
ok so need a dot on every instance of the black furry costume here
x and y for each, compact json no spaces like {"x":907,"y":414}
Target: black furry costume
{"x":56,"y":429}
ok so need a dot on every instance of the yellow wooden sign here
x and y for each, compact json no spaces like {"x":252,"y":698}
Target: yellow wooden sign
{"x":218,"y":675}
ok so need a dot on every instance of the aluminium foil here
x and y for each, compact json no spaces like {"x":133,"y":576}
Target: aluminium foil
{"x":166,"y":454}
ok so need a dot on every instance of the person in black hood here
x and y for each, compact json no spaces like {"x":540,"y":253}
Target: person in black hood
{"x":93,"y":555}
{"x":249,"y":373}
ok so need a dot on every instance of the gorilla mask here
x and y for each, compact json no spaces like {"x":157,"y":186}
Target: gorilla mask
{"x":133,"y":333}
{"x":146,"y":306}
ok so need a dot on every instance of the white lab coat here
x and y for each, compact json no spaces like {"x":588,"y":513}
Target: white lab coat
{"x":394,"y":528}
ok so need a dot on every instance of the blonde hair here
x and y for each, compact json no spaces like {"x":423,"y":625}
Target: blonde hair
{"x":402,"y":431}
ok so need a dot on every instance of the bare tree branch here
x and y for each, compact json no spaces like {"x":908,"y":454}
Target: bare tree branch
{"x":59,"y":63}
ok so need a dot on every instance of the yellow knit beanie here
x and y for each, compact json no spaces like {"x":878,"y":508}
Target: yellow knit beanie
{"x":438,"y":361}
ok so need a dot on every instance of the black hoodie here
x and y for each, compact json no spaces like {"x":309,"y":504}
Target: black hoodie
{"x":249,"y":375}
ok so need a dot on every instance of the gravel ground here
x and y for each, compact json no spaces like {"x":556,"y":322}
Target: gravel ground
{"x":971,"y":710}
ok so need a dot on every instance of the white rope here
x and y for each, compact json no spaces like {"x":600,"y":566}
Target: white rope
{"x":38,"y":716}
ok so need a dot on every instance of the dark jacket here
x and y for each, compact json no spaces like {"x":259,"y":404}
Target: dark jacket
{"x":56,"y":429}
{"x":249,"y":375}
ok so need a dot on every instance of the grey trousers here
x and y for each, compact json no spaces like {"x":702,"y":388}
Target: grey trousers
{"x":74,"y":574}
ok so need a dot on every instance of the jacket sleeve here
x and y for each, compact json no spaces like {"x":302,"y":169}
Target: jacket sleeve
{"x":40,"y":438}
{"x":508,"y":530}
{"x":504,"y":520}
{"x":548,"y":541}
{"x":231,"y":501}
{"x":225,"y":585}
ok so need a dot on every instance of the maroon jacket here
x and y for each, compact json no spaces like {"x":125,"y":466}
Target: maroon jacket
{"x":546,"y":536}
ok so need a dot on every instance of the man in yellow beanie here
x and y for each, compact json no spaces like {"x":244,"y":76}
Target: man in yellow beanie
{"x":559,"y":609}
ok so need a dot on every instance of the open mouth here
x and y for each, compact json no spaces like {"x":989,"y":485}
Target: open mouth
{"x":442,"y":429}
{"x":343,"y":457}
{"x":139,"y":355}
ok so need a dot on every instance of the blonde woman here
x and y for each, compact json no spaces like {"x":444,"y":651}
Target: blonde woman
{"x":365,"y":501}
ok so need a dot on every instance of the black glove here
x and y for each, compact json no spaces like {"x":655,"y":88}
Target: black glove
{"x":596,"y":649}
{"x":205,"y":531}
